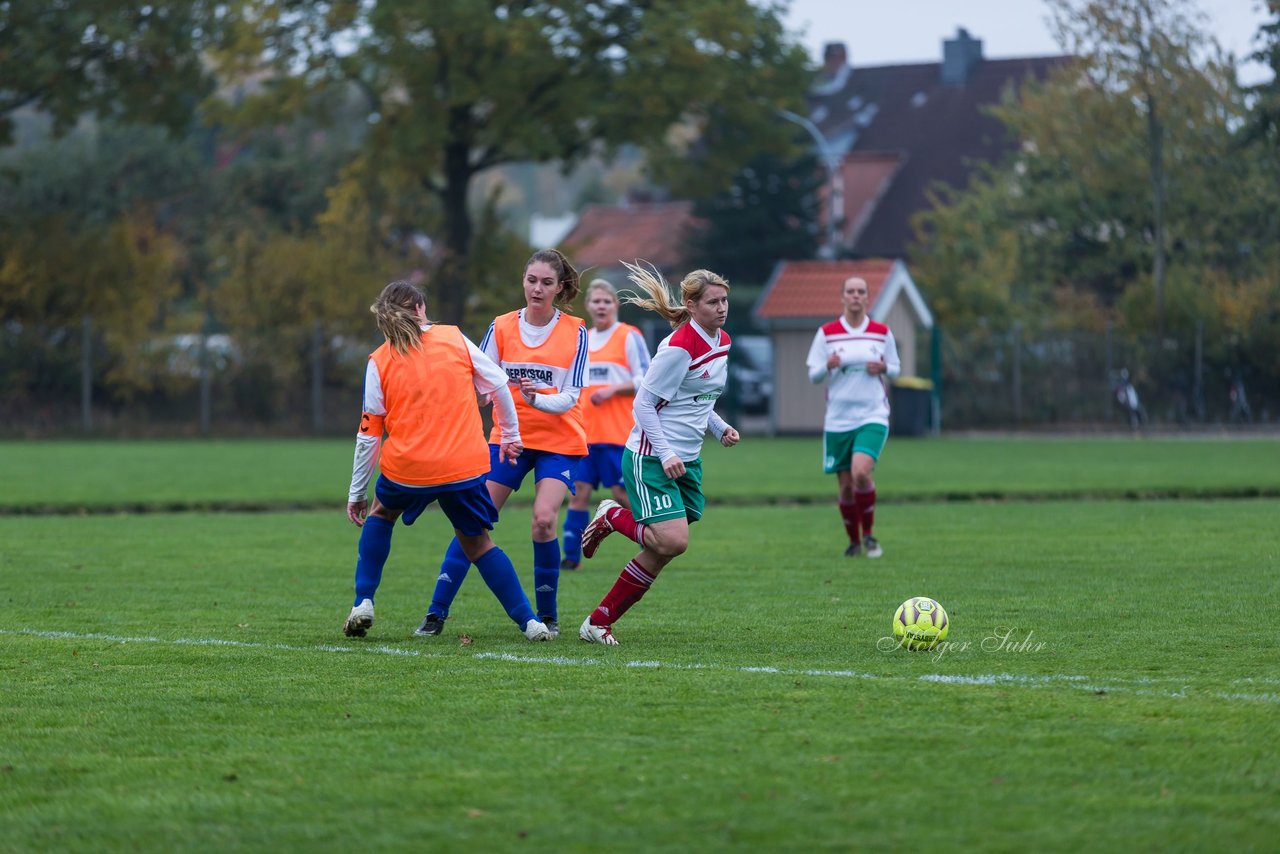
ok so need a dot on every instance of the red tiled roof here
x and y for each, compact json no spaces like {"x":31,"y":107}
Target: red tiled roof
{"x":811,"y":289}
{"x":866,"y":176}
{"x":653,"y":231}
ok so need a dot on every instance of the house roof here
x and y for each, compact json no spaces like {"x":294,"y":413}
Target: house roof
{"x":867,"y":176}
{"x":811,"y":289}
{"x":651,"y":231}
{"x":805,"y":292}
{"x":933,"y":131}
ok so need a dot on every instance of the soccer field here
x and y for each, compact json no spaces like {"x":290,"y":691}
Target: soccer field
{"x":179,"y":680}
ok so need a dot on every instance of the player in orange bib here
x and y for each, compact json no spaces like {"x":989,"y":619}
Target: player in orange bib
{"x":619,"y":358}
{"x":544,"y":352}
{"x":419,"y":389}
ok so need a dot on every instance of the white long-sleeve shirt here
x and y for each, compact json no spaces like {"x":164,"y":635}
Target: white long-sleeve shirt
{"x":854,"y":397}
{"x":673,"y":406}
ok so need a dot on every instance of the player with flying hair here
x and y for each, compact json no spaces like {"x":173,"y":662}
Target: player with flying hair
{"x":662,"y":463}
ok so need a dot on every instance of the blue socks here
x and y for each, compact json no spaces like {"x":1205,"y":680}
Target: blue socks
{"x":575,"y":522}
{"x":375,"y":545}
{"x":546,"y":577}
{"x":498,"y":572}
{"x":453,"y":571}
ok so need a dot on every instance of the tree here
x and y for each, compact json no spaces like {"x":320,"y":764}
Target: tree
{"x":1264,"y":124}
{"x":86,"y":231}
{"x":1163,"y":226}
{"x":769,"y":213}
{"x":1099,"y":197}
{"x":113,"y":58}
{"x":457,"y":87}
{"x":1137,"y":49}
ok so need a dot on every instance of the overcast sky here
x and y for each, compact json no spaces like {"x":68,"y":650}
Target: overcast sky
{"x":887,"y":33}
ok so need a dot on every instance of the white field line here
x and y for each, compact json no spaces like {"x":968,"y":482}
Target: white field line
{"x":1140,"y":686}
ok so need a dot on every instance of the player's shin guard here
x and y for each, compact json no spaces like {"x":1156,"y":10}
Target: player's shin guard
{"x":849,"y":513}
{"x":375,"y":545}
{"x":453,"y":571}
{"x":574,"y":523}
{"x":546,"y":578}
{"x":500,"y":574}
{"x":633,"y":582}
{"x":624,"y":522}
{"x":865,"y":503}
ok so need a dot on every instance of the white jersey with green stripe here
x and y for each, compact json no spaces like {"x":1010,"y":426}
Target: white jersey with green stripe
{"x":688,"y":373}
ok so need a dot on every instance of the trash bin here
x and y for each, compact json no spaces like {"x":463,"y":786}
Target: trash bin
{"x":910,"y":402}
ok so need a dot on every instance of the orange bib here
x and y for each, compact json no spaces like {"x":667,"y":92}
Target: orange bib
{"x":610,"y":423}
{"x":434,"y":434}
{"x":550,"y":366}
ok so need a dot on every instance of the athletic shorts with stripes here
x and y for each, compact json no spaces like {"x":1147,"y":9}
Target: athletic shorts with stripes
{"x":656,"y":497}
{"x":838,"y":448}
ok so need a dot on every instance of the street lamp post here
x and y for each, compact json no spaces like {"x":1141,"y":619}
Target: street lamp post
{"x":835,"y":197}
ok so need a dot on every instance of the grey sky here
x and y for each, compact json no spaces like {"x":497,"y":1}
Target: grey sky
{"x":880,"y":33}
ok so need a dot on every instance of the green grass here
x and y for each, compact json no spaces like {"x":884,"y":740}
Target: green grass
{"x":202,"y":696}
{"x":179,"y":475}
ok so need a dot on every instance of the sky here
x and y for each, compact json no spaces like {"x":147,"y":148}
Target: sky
{"x":876,"y":32}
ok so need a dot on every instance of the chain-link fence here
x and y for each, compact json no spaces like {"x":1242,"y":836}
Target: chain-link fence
{"x":298,"y":381}
{"x":305,"y":381}
{"x":1100,"y":379}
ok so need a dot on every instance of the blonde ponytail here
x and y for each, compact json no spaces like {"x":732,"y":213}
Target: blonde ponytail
{"x":396,"y":312}
{"x":660,"y":300}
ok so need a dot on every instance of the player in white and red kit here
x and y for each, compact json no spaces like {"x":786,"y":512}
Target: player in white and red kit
{"x":662,"y":463}
{"x":856,"y":356}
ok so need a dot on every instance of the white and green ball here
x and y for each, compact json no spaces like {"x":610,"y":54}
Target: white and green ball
{"x":920,"y":623}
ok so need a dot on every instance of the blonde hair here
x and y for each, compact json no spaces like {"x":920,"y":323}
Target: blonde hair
{"x":660,"y":300}
{"x":565,"y":275}
{"x":396,"y":313}
{"x":602,"y":285}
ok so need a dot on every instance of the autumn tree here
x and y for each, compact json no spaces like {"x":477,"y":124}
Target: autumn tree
{"x":138,"y":62}
{"x":81,"y":236}
{"x":1147,"y":54}
{"x":456,"y":87}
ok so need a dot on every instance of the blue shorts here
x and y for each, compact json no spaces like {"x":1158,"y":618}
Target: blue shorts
{"x":602,"y":466}
{"x":543,"y":464}
{"x":466,"y":504}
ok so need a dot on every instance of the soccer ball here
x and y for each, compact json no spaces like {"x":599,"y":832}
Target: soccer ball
{"x":920,"y":623}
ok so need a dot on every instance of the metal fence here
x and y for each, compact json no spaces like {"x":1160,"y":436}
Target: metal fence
{"x":306,"y":381}
{"x":1100,"y":379}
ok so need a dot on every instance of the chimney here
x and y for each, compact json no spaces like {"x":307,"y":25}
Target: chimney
{"x":960,"y":56}
{"x":834,"y":58}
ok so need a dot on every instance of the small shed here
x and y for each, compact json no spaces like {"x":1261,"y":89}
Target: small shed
{"x":803,"y":295}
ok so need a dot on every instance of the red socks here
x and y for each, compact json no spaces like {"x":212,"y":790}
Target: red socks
{"x":864,"y":504}
{"x":849,"y":513}
{"x":633,"y":582}
{"x":626,"y":525}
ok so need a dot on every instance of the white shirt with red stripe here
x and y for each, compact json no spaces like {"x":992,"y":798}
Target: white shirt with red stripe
{"x":854,"y":397}
{"x":688,"y":373}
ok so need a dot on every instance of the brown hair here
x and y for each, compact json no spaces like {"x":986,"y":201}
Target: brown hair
{"x":660,"y":299}
{"x":565,"y":275}
{"x":395,"y":310}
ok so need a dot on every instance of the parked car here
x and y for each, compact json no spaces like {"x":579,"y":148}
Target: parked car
{"x":751,"y":371}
